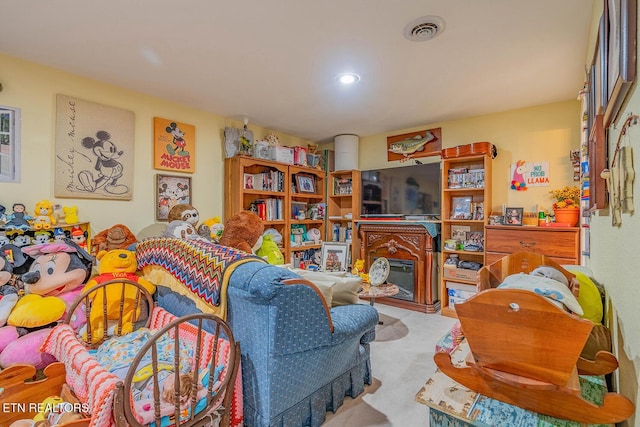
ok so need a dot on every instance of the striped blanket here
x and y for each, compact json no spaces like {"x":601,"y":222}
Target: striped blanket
{"x":197,"y":269}
{"x":95,"y":386}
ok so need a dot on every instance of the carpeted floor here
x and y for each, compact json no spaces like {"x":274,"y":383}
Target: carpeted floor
{"x":402,"y":360}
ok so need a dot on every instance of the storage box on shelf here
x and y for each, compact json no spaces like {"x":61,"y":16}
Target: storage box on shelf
{"x":343,"y":208}
{"x":466,"y":196}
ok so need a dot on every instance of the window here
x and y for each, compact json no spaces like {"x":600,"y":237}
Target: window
{"x":9,"y":144}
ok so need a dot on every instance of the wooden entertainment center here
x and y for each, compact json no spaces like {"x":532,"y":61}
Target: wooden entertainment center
{"x":408,"y":242}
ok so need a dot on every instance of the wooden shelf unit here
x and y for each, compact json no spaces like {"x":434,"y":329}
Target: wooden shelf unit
{"x":474,"y":195}
{"x":238,"y":198}
{"x":343,"y":206}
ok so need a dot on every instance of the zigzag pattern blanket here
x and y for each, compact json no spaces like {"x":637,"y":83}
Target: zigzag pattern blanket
{"x":201,"y":268}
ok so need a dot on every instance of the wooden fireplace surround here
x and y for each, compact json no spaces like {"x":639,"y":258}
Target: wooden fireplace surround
{"x":406,"y":241}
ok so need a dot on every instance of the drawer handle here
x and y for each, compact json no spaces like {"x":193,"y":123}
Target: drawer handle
{"x":527,"y":244}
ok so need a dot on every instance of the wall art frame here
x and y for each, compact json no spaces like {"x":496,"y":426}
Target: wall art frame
{"x":174,"y":146}
{"x":620,"y":34}
{"x":514,"y":216}
{"x":94,"y":146}
{"x":413,"y":145}
{"x":171,"y":190}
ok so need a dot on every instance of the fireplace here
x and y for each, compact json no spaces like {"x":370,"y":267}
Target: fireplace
{"x":410,"y":249}
{"x":401,"y":273}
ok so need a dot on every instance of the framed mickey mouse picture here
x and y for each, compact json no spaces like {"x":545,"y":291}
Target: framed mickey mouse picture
{"x":174,"y":145}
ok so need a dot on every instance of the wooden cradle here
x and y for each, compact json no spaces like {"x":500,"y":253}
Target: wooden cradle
{"x":111,"y":399}
{"x":525,"y":351}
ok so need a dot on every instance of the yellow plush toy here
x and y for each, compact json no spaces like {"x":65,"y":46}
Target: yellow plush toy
{"x":70,"y":214}
{"x":44,"y":215}
{"x":115,"y":264}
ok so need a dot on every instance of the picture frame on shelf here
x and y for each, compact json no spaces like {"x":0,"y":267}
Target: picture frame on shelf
{"x":248,"y":181}
{"x":459,"y":232}
{"x":171,"y":190}
{"x":334,"y":256}
{"x":461,"y":207}
{"x":305,"y":183}
{"x":514,"y":216}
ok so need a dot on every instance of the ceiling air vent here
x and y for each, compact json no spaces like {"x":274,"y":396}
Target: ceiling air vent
{"x":424,"y":28}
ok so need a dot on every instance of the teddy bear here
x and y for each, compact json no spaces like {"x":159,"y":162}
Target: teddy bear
{"x":44,"y":215}
{"x":116,"y":237}
{"x":113,"y":265}
{"x":243,"y":231}
{"x":51,"y":285}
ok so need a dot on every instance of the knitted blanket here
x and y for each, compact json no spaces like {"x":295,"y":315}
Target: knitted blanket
{"x":95,"y":386}
{"x":199,"y":269}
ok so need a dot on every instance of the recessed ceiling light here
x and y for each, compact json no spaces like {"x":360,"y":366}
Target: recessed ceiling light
{"x":348,"y":78}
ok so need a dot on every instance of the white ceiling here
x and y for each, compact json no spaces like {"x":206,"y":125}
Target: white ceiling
{"x":275,"y":61}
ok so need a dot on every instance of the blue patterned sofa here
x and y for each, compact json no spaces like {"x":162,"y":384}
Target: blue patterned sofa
{"x":300,"y":358}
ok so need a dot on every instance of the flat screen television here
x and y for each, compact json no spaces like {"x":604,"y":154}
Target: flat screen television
{"x":412,"y":190}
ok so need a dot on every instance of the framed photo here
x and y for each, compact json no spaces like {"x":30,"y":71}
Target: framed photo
{"x":248,"y":181}
{"x":334,"y":256}
{"x":459,"y":232}
{"x":514,"y":216}
{"x":496,"y":220}
{"x":170,"y":191}
{"x":461,"y":207}
{"x":173,"y":145}
{"x":619,"y":28}
{"x":305,"y":183}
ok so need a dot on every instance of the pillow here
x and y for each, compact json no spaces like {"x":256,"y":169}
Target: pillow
{"x":326,"y":289}
{"x":589,"y":299}
{"x":33,"y":311}
{"x":550,"y":273}
{"x":557,"y":292}
{"x":345,"y":290}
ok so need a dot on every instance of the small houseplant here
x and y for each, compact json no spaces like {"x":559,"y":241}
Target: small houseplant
{"x":566,"y":207}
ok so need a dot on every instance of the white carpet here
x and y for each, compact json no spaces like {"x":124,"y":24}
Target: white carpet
{"x":402,"y":361}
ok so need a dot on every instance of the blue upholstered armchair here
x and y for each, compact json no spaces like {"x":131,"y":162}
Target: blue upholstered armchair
{"x":299,"y":359}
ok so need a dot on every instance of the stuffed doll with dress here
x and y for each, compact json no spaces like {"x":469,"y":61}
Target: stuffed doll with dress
{"x":54,"y":280}
{"x":18,"y":219}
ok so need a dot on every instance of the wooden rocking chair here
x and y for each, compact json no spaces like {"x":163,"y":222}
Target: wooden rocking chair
{"x":525,"y":351}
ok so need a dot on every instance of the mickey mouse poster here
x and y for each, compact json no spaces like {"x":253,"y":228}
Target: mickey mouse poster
{"x":174,"y":145}
{"x":94,"y":150}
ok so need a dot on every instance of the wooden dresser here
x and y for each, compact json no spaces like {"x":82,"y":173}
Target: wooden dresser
{"x":560,"y":243}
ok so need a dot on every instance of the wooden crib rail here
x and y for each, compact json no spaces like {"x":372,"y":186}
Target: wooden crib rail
{"x":215,"y":402}
{"x":127,"y":302}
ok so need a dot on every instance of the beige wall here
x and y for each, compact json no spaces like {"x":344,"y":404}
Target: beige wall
{"x":614,"y":257}
{"x":33,"y":89}
{"x":543,"y":133}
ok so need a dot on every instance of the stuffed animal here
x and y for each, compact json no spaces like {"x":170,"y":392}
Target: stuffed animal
{"x":70,"y":214}
{"x":116,"y":237}
{"x":8,"y":293}
{"x":44,"y":215}
{"x":53,"y":282}
{"x":79,"y":236}
{"x":184,"y":212}
{"x":243,"y":231}
{"x":181,"y":230}
{"x":211,"y":229}
{"x":270,"y":250}
{"x":41,"y":236}
{"x":113,"y":265}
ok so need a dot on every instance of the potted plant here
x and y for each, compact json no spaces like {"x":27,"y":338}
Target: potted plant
{"x":566,"y":208}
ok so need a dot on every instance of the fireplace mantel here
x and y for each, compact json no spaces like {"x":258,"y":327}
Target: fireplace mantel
{"x":404,"y":240}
